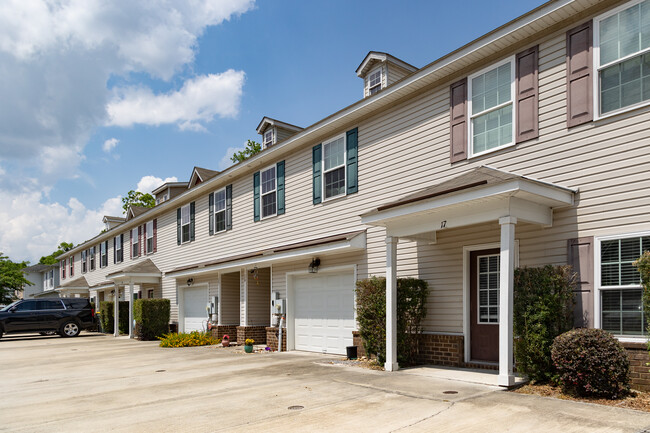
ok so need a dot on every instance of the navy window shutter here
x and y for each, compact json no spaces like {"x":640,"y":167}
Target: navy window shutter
{"x":178,"y":226}
{"x":211,"y":223}
{"x":280,"y":186}
{"x":317,"y":183}
{"x":192,"y":221}
{"x":229,"y":207}
{"x":352,"y":168}
{"x":256,"y":196}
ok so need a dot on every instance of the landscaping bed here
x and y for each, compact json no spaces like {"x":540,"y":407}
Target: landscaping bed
{"x":363,"y":362}
{"x":635,"y":400}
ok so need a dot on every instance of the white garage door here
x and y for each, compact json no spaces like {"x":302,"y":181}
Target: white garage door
{"x":324,"y":312}
{"x":194,"y":313}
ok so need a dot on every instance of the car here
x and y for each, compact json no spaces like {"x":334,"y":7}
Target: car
{"x":63,"y":316}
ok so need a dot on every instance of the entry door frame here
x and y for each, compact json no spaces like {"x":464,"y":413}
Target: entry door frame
{"x":181,"y":301}
{"x":290,"y":313}
{"x":467,"y":249}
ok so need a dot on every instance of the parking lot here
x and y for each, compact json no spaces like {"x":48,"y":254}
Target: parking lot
{"x":99,"y":383}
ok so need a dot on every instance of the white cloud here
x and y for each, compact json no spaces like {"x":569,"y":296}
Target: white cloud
{"x":225,"y":161}
{"x":149,"y":183}
{"x":199,"y":100}
{"x":110,"y":144}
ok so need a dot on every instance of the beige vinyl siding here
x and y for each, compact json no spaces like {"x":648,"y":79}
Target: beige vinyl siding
{"x":282,"y":134}
{"x":394,"y":74}
{"x":259,"y":297}
{"x":230,"y":298}
{"x":406,"y":148}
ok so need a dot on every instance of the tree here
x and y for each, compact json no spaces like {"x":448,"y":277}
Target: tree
{"x":252,"y":148}
{"x":12,"y":279}
{"x":136,"y":198}
{"x":51,"y":259}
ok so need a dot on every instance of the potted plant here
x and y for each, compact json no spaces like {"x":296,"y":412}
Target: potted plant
{"x":248,"y":345}
{"x":225,"y":341}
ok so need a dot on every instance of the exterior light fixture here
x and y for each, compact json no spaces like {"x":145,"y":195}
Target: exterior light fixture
{"x":313,"y":266}
{"x":190,"y":281}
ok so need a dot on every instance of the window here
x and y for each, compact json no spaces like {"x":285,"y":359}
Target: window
{"x":149,"y":235}
{"x":63,"y":264}
{"x":26,"y":306}
{"x":488,"y":288}
{"x":119,"y":251}
{"x":135,"y":243}
{"x":491,"y":108}
{"x":334,"y":167}
{"x":103,"y":254}
{"x":45,"y":281}
{"x":150,"y":293}
{"x":622,"y":57}
{"x":374,"y":82}
{"x":268,"y":137}
{"x":185,"y":224}
{"x":620,"y":285}
{"x":269,"y":197}
{"x":84,"y":262}
{"x":71,"y":266}
{"x":92,"y":258}
{"x":220,"y":211}
{"x":49,"y":305}
{"x":52,"y":279}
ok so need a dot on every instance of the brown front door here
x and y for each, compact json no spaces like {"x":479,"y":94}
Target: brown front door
{"x":484,"y":305}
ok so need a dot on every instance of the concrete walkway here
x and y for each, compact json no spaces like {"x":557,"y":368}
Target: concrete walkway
{"x":98,"y":383}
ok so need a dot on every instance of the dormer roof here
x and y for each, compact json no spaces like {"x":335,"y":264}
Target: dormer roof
{"x":267,"y":121}
{"x":135,"y":211}
{"x":112,"y":221}
{"x":200,"y":175}
{"x":375,"y":57}
{"x":164,"y":186}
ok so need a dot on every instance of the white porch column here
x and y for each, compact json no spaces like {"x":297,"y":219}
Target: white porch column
{"x":131,"y":333}
{"x":391,"y":304}
{"x":506,"y":295}
{"x":218,"y":306}
{"x":243,"y":297}
{"x":116,"y":315}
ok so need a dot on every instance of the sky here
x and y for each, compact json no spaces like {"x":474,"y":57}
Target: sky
{"x":101,"y":97}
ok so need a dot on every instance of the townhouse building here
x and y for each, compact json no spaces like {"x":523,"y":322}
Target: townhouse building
{"x":528,"y":146}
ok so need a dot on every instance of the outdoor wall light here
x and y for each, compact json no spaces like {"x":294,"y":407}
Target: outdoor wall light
{"x":313,"y":266}
{"x":190,"y":281}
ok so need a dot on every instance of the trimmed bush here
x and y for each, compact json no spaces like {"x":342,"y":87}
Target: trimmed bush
{"x":591,"y":362}
{"x":643,"y":265}
{"x":543,"y":309}
{"x":151,"y":318}
{"x":412,"y":296}
{"x":194,"y":338}
{"x":106,"y":311}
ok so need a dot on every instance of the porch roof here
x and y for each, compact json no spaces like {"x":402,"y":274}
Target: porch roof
{"x":80,"y":282}
{"x":144,"y":271}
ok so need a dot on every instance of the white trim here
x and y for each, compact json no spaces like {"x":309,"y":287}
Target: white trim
{"x":344,"y":165}
{"x":273,"y":137}
{"x":381,"y":85}
{"x":189,"y":224}
{"x":181,"y":301}
{"x":146,"y":239}
{"x":225,"y":209}
{"x":275,"y":190}
{"x":470,"y":136}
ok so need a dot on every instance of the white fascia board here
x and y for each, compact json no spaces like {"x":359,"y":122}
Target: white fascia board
{"x":103,"y":287}
{"x":358,"y":243}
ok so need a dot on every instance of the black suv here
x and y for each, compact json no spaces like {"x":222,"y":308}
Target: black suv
{"x":65,"y":316}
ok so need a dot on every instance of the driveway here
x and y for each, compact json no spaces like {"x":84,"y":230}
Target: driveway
{"x":99,"y":383}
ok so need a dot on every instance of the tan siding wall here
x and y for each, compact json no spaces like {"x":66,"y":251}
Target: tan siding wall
{"x":230,"y":298}
{"x":283,"y":134}
{"x":259,"y":298}
{"x":395,"y":74}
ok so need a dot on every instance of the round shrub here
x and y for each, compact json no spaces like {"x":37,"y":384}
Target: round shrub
{"x":591,"y":362}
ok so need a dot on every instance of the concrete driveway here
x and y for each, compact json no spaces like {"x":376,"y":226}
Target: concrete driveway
{"x":98,"y":383}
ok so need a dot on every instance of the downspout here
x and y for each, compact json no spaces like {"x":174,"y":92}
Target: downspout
{"x":280,"y":335}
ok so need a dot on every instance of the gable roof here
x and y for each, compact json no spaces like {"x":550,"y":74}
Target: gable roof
{"x":200,"y":175}
{"x":142,"y":267}
{"x":77,"y":282}
{"x":39,"y":267}
{"x":135,"y":211}
{"x":267,"y":121}
{"x":377,"y":56}
{"x":164,"y":186}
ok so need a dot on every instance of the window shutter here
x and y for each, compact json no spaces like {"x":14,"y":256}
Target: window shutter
{"x":192,"y":221}
{"x":580,"y":256}
{"x":458,"y":113}
{"x":256,"y":196}
{"x":229,"y":207}
{"x":114,"y":251}
{"x":72,"y":265}
{"x":178,"y":226}
{"x":527,"y":92}
{"x":140,"y":241}
{"x":63,"y":269}
{"x":279,"y":171}
{"x":317,"y":183}
{"x":352,"y":161}
{"x":579,"y":71}
{"x":131,"y":248}
{"x":155,"y":235}
{"x":211,"y":206}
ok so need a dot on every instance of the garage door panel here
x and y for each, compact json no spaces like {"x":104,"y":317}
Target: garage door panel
{"x":194,"y":313}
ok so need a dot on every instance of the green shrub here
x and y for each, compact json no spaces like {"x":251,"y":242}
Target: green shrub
{"x":543,"y":309}
{"x":643,"y":265}
{"x":591,"y":362}
{"x":412,"y":296}
{"x":106,"y":311}
{"x":151,"y":318}
{"x":194,"y":338}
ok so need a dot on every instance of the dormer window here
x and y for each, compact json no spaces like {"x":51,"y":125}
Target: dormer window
{"x":268,"y":138}
{"x":374,"y":81}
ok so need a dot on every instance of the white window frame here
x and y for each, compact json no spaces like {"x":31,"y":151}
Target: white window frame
{"x":368,"y":88}
{"x":225,"y":205}
{"x":272,"y":142}
{"x":103,"y":254}
{"x":470,"y":116}
{"x":598,"y":284}
{"x":478,"y":290}
{"x":84,"y":261}
{"x":135,"y":241}
{"x":117,"y":239}
{"x":344,"y":165}
{"x":262,"y":194}
{"x":92,"y":262}
{"x":147,"y":237}
{"x":188,"y":224}
{"x":597,"y":68}
{"x":51,"y":278}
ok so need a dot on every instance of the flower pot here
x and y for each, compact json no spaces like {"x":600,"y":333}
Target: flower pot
{"x":225,"y":343}
{"x":248,"y":349}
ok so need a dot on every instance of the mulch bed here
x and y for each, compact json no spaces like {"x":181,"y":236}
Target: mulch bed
{"x":363,"y":362}
{"x":636,"y":400}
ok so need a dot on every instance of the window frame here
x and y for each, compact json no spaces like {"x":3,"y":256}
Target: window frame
{"x":345,"y":170}
{"x":103,"y":256}
{"x":266,"y":144}
{"x":84,"y":261}
{"x":369,"y":88}
{"x":225,"y":205}
{"x":598,"y":288}
{"x":118,"y":251}
{"x":91,"y":254}
{"x":188,"y":224}
{"x":262,"y":194}
{"x":470,"y":116}
{"x":478,"y":289}
{"x":597,"y":68}
{"x":135,"y":243}
{"x":146,"y":237}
